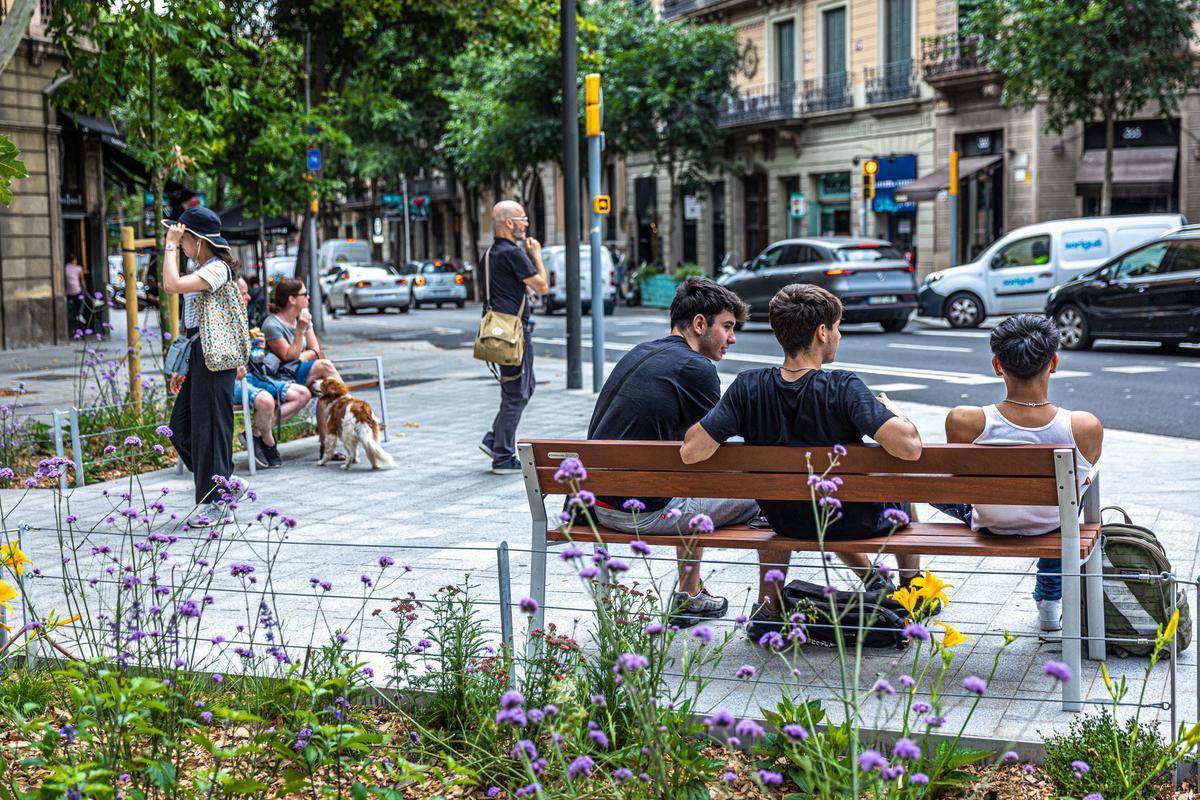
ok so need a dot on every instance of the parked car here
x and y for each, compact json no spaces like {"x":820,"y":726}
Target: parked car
{"x":1149,"y":293}
{"x":334,"y":253}
{"x":116,"y":277}
{"x":1014,"y":274}
{"x":358,"y":286}
{"x":279,"y":267}
{"x":435,"y":282}
{"x":555,"y":259}
{"x":869,"y":276}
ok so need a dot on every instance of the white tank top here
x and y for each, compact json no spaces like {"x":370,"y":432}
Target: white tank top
{"x":1025,"y":520}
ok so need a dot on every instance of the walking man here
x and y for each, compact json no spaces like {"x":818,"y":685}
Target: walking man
{"x":510,"y":277}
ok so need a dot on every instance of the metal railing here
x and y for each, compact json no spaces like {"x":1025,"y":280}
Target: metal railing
{"x":827,"y":93}
{"x":677,"y":8}
{"x":891,"y":82}
{"x":949,"y":54}
{"x":779,"y":101}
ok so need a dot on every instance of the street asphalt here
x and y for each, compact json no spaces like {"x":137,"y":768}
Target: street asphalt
{"x":1131,"y":386}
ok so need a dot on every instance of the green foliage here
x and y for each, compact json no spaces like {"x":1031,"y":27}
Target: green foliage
{"x":25,"y":690}
{"x":689,"y":271}
{"x":1125,"y":758}
{"x":11,"y":168}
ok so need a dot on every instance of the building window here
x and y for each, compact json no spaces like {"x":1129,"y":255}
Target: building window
{"x":833,"y":23}
{"x":785,"y":53}
{"x":831,"y":217}
{"x":757,"y":222}
{"x":716,"y":195}
{"x":981,"y":194}
{"x":645,"y":192}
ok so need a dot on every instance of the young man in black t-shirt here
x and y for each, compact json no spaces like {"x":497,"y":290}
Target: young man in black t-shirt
{"x":801,"y":405}
{"x":655,"y":393}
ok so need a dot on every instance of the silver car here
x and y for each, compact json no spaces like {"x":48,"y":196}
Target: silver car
{"x":358,"y":286}
{"x":869,"y":276}
{"x":435,"y":282}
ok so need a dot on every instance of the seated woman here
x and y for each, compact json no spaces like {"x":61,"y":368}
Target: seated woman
{"x":290,"y":338}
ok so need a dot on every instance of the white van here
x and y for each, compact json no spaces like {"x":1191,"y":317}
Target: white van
{"x":555,"y":259}
{"x":335,"y":253}
{"x":1014,"y":274}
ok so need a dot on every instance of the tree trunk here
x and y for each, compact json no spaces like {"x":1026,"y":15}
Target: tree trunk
{"x":675,"y":215}
{"x":1106,"y":188}
{"x":471,"y":206}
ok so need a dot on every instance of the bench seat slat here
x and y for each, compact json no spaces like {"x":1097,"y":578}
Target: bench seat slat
{"x":922,"y":488}
{"x":919,"y":538}
{"x":951,"y":459}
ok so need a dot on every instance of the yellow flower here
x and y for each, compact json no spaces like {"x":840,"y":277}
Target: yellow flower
{"x":952,"y":638}
{"x":1108,"y":684}
{"x":906,"y":597}
{"x":7,"y":593}
{"x":12,"y":557}
{"x":1168,"y":634}
{"x":931,"y":587}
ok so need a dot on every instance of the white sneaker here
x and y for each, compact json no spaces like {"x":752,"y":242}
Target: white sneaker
{"x":1050,"y":614}
{"x":207,"y":515}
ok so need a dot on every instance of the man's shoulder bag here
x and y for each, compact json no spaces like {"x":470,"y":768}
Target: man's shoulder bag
{"x":501,"y":337}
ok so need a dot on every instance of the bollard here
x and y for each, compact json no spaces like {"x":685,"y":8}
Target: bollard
{"x":504,"y":577}
{"x":76,"y":447}
{"x":58,"y":448}
{"x":132,"y":334}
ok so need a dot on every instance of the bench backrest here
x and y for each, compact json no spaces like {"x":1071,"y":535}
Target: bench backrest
{"x":945,"y":473}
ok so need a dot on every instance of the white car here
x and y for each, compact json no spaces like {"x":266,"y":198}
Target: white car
{"x":555,"y":259}
{"x":360,"y":286}
{"x":336,"y":253}
{"x":279,"y":267}
{"x":1016,"y":272}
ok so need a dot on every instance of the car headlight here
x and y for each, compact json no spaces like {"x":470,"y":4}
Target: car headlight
{"x":932,"y":277}
{"x":1051,"y":295}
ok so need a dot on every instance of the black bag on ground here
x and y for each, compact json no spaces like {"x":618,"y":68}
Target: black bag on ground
{"x":881,"y":620}
{"x":1135,"y":609}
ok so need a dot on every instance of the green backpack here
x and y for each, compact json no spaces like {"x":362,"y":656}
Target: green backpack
{"x":1135,"y":608}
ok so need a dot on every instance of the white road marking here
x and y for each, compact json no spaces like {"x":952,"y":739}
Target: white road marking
{"x":1134,"y":369}
{"x":895,"y":387}
{"x":959,"y":334}
{"x":1192,"y":364}
{"x":939,"y":348}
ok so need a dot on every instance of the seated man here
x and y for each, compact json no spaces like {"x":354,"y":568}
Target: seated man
{"x":801,"y":405}
{"x":656,"y":391}
{"x":1025,"y":353}
{"x":265,"y":393}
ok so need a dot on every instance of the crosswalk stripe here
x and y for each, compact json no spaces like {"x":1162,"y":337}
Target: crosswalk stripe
{"x":958,"y":334}
{"x":1134,"y":369}
{"x":935,"y":347}
{"x":896,"y":387}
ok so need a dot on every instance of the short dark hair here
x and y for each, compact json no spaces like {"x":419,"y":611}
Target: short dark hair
{"x":797,"y":310}
{"x":705,"y":296}
{"x":1024,"y":344}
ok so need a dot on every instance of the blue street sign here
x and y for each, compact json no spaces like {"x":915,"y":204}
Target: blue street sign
{"x":314,"y":159}
{"x":894,"y":173}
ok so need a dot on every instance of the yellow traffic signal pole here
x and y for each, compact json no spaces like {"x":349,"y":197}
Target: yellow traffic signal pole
{"x":593,"y":116}
{"x":869,"y":168}
{"x":129,"y":246}
{"x":953,"y":207}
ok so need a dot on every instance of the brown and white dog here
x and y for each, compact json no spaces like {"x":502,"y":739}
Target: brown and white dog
{"x":352,"y":421}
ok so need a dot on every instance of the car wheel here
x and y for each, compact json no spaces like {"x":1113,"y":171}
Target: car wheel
{"x":402,"y":309}
{"x":440,"y":305}
{"x":329,"y":309}
{"x":894,"y":325}
{"x":348,"y":306}
{"x":1171,"y":346}
{"x":964,"y":310}
{"x":1072,"y":328}
{"x":460,"y":303}
{"x":609,"y":307}
{"x":547,"y":307}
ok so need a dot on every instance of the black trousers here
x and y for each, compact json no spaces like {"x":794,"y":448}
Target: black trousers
{"x":514,"y":396}
{"x":202,"y":423}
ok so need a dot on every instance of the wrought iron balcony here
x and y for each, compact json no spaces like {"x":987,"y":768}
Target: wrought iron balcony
{"x":774,"y":103}
{"x":891,"y":82}
{"x":827,"y":93}
{"x":949,"y":57}
{"x":677,"y":8}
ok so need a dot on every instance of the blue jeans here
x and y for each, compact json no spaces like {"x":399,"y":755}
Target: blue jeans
{"x":1048,"y":585}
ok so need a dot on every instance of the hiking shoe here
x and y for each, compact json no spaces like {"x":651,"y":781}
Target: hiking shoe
{"x":207,"y":515}
{"x":687,"y":610}
{"x":1050,"y":615}
{"x":764,"y":620}
{"x":506,"y":466}
{"x":260,"y":453}
{"x":273,"y":457}
{"x":876,"y":582}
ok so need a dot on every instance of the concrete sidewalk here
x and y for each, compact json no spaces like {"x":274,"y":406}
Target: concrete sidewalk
{"x":444,"y":513}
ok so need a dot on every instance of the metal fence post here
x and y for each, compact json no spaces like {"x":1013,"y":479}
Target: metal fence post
{"x":33,"y":647}
{"x":77,"y":447}
{"x":504,"y":577}
{"x":58,"y":448}
{"x":383,"y":409}
{"x":1169,"y":579}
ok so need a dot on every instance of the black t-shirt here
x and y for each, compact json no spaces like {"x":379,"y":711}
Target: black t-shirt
{"x":510,"y":266}
{"x":656,"y":392}
{"x":820,"y":409}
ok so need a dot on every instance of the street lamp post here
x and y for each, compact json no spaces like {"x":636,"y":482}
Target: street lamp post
{"x":571,"y":196}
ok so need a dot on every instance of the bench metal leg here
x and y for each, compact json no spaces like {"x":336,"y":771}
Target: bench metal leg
{"x":246,"y":409}
{"x":382,"y":398}
{"x":1094,"y":570}
{"x":538,"y":547}
{"x":1068,"y":515}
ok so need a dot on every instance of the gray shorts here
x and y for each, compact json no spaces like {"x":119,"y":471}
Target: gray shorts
{"x":722,"y":512}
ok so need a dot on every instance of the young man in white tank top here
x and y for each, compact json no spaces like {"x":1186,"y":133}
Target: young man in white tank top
{"x":1025,"y":353}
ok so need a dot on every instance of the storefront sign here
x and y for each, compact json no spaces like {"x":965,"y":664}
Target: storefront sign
{"x":797,"y":206}
{"x":833,"y":186}
{"x":691,"y":207}
{"x":894,"y":172}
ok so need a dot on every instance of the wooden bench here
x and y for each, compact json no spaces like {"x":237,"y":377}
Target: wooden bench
{"x":948,"y":473}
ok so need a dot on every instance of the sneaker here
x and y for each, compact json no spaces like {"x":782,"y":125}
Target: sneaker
{"x":506,"y":466}
{"x":260,"y":453}
{"x":487,"y":451}
{"x":1050,"y":614}
{"x":687,"y":610}
{"x":207,"y":515}
{"x":876,"y":582}
{"x":764,"y":620}
{"x":273,"y":457}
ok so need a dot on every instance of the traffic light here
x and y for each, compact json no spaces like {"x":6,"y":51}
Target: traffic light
{"x":869,"y":168}
{"x":592,"y":110}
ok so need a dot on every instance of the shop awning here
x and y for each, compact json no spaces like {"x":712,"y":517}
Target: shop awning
{"x":928,"y":186}
{"x":1132,"y":166}
{"x":240,"y":229}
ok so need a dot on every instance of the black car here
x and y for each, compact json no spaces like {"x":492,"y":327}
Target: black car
{"x":1149,"y":293}
{"x":869,"y":276}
